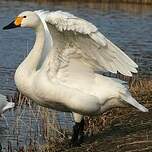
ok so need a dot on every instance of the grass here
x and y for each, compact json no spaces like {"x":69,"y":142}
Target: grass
{"x":141,"y":89}
{"x":55,"y":132}
{"x":37,"y":124}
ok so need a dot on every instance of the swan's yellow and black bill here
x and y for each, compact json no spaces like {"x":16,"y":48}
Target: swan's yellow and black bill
{"x":16,"y":23}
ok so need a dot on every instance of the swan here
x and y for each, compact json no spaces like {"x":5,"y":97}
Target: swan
{"x":4,"y":104}
{"x":62,"y":69}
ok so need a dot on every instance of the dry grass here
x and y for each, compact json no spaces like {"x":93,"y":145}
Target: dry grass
{"x":141,"y":89}
{"x":46,"y":121}
{"x":122,"y":129}
{"x":55,"y":134}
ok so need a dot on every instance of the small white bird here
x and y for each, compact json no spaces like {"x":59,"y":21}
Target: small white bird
{"x":4,"y":104}
{"x":60,"y":72}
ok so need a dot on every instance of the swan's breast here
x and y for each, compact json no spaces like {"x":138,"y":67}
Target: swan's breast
{"x":43,"y":88}
{"x":23,"y":81}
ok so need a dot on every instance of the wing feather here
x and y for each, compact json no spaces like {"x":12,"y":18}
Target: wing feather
{"x":93,"y":47}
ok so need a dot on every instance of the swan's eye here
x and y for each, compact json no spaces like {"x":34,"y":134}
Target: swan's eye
{"x":24,"y":16}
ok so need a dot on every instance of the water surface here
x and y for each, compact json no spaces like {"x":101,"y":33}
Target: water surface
{"x":128,"y":26}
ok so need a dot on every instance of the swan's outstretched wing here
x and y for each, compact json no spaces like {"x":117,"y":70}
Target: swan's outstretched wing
{"x":92,"y":47}
{"x":95,"y":49}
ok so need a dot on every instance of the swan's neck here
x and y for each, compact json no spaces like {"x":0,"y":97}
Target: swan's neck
{"x":31,"y":62}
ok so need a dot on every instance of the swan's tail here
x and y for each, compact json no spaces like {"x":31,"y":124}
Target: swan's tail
{"x":129,"y":99}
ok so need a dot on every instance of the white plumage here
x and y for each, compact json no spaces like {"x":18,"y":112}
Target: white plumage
{"x":60,"y":70}
{"x":94,"y":47}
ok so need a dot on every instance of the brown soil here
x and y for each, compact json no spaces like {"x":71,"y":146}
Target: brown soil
{"x":129,"y":133}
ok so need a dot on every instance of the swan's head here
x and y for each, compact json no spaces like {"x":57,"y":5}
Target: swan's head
{"x":25,"y":19}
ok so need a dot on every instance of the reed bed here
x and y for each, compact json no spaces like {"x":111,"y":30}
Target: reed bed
{"x":52,"y":133}
{"x":42,"y":128}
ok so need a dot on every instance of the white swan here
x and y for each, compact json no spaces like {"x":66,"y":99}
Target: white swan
{"x":60,"y":72}
{"x":4,"y":104}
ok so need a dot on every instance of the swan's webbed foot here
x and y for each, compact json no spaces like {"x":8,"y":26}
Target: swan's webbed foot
{"x":78,"y":134}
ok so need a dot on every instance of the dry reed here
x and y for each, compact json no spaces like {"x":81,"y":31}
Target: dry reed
{"x":54,"y":133}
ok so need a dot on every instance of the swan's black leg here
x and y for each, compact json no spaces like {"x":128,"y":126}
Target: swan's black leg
{"x":74,"y":140}
{"x":81,"y":132}
{"x":78,"y":134}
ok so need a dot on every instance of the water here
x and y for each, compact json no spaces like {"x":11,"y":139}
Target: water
{"x":128,"y":26}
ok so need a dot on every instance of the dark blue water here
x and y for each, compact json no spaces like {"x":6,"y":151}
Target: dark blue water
{"x":128,"y":26}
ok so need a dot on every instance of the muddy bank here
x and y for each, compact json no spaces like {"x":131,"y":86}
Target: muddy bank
{"x":125,"y":129}
{"x":129,"y":133}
